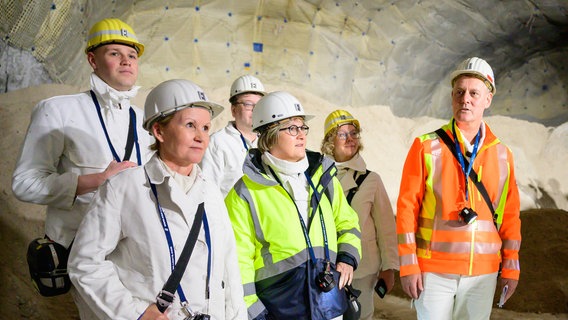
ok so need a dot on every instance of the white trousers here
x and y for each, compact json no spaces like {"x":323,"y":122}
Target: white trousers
{"x":450,"y":296}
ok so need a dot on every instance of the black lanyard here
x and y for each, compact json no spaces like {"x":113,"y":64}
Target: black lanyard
{"x":166,"y":228}
{"x":315,"y":205}
{"x":132,"y":134}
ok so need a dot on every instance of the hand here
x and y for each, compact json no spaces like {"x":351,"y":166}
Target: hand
{"x":346,"y":272}
{"x":152,"y":313}
{"x":90,"y":182}
{"x":512,"y":287}
{"x":388,"y":276}
{"x":115,"y":167}
{"x":412,"y":285}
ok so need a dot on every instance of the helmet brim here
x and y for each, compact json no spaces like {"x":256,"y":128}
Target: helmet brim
{"x":213,"y":108}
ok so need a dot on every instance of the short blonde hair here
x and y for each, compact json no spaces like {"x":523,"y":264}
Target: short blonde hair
{"x":269,"y":137}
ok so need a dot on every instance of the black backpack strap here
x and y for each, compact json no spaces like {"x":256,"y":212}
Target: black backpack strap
{"x":166,"y":296}
{"x":359,"y":181}
{"x":472,"y":175}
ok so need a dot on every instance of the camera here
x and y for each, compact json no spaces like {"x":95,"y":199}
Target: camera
{"x":190,"y":315}
{"x":468,"y":216}
{"x":199,"y":316}
{"x":325,"y":281}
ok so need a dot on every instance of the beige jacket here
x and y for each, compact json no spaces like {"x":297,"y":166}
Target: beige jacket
{"x":376,"y":218}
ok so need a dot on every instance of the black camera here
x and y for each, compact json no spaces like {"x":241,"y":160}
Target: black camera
{"x":199,"y":316}
{"x":325,"y":281}
{"x":468,"y":216}
{"x":354,"y":306}
{"x":381,"y":288}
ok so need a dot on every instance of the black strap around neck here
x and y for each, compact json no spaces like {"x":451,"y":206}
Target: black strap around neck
{"x":132,"y":134}
{"x":472,"y":174}
{"x":359,"y":181}
{"x":129,"y":141}
{"x":165,"y":298}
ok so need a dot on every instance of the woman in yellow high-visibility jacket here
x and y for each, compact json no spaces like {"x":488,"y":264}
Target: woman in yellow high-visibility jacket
{"x":298,"y":241}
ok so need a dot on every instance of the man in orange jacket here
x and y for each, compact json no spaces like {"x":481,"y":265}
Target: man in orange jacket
{"x":454,"y":236}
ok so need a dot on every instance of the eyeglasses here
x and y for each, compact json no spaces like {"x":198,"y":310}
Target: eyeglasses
{"x":293,"y":130}
{"x":352,"y":134}
{"x":247,"y":105}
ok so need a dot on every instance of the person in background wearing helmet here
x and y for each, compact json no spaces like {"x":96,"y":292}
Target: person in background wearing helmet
{"x":450,"y":244}
{"x":367,"y":195}
{"x":223,"y":160}
{"x":75,"y":142}
{"x":295,"y":231}
{"x":139,"y":221}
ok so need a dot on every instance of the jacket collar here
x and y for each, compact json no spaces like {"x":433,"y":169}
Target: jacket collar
{"x":255,"y":169}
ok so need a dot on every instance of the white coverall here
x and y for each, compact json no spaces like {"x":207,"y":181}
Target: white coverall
{"x":224,"y":157}
{"x":120,"y":258}
{"x":65,"y":139}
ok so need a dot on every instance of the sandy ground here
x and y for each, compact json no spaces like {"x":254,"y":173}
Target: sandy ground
{"x":542,"y":293}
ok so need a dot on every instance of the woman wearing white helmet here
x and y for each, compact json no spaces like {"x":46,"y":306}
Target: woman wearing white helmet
{"x":367,"y":195}
{"x":297,"y":238}
{"x":134,"y":234}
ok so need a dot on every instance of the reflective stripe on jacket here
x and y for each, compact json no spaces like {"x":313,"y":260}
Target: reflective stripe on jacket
{"x":432,"y":193}
{"x":267,"y":228}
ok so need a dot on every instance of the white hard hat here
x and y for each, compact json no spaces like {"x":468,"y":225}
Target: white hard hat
{"x":476,"y":66}
{"x":276,"y":106}
{"x":246,"y":83}
{"x":173,"y":95}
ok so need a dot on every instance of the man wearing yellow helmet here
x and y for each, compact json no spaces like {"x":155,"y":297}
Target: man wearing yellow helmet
{"x":75,"y":142}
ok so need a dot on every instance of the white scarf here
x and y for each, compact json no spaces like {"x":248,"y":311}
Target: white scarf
{"x":111,"y":97}
{"x":291,"y":175}
{"x":185,"y":182}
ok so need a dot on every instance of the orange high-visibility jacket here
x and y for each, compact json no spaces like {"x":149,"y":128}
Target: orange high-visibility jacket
{"x":431,"y":238}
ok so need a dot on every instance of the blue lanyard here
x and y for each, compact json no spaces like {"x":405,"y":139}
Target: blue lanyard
{"x":466,"y":171}
{"x":244,"y":142}
{"x":132,"y":127}
{"x":315,"y":205}
{"x":171,"y":244}
{"x":303,"y":224}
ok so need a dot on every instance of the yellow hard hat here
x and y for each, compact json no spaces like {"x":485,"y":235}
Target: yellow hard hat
{"x":112,"y":31}
{"x":338,"y":118}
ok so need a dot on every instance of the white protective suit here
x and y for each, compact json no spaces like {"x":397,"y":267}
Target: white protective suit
{"x":120,"y":258}
{"x":224,"y":157}
{"x":65,"y":139}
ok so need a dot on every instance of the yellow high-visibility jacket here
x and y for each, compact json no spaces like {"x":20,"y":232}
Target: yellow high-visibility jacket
{"x":432,"y":193}
{"x":270,"y":240}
